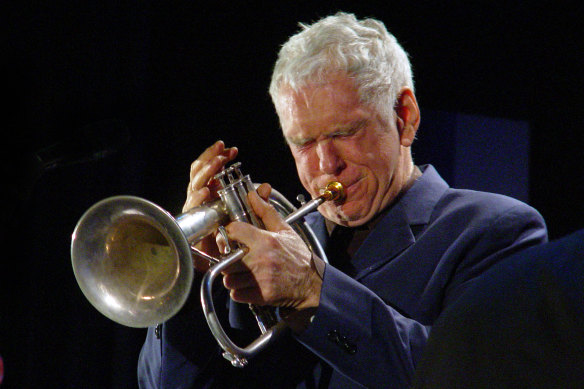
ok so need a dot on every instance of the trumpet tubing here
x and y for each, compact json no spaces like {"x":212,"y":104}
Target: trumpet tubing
{"x":133,"y":260}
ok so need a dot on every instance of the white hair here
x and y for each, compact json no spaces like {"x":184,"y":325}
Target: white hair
{"x":363,"y":49}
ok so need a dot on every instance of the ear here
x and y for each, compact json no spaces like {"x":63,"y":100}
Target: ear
{"x":407,"y":116}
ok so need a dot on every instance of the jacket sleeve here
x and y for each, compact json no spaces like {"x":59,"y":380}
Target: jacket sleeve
{"x":361,"y":336}
{"x":149,"y":362}
{"x":184,"y":353}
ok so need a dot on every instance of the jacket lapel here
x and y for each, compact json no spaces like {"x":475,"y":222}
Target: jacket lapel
{"x":390,"y":237}
{"x":393,"y":234}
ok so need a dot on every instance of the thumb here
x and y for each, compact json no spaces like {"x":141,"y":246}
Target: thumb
{"x":265,"y":211}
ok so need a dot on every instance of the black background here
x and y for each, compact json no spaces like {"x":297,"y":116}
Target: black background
{"x":179,"y":75}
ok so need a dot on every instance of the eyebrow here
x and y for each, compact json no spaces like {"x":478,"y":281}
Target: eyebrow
{"x":353,"y":126}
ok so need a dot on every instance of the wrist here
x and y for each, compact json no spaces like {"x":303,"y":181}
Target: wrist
{"x":299,"y":318}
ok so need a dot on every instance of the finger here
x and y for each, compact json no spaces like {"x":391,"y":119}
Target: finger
{"x":216,"y":148}
{"x":237,"y":267}
{"x":244,"y":233}
{"x":270,"y":217}
{"x":196,"y":198}
{"x":209,"y":163}
{"x":203,"y":176}
{"x":202,"y":173}
{"x":264,"y":190}
{"x":240,"y":280}
{"x":221,"y":243}
{"x":248,"y":295}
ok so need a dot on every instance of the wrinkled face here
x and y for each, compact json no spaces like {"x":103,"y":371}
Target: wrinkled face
{"x":335,"y":137}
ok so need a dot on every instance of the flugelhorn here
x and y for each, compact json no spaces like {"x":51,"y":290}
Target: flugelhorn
{"x":133,"y":260}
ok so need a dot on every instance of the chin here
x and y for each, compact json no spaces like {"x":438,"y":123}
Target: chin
{"x":346,"y":215}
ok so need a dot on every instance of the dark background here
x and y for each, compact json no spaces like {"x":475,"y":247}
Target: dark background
{"x":154,"y":83}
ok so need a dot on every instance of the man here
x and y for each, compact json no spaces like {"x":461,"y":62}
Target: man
{"x":344,"y":94}
{"x":521,"y":325}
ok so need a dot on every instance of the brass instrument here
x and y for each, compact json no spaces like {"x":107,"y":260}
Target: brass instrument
{"x":133,"y":260}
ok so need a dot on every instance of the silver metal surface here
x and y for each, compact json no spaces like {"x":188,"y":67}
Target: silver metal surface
{"x":239,"y":356}
{"x":133,"y":260}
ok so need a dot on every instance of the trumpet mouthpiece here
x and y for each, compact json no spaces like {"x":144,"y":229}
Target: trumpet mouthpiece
{"x":334,"y":191}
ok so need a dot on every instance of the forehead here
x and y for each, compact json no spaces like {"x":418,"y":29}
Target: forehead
{"x":317,"y":106}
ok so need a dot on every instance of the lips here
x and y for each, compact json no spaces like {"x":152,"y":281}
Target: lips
{"x":353,"y":187}
{"x":350,"y":188}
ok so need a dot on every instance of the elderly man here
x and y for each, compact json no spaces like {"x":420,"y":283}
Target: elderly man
{"x":401,"y":247}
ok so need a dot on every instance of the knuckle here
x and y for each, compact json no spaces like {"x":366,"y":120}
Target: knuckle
{"x":268,"y":292}
{"x":272,"y":242}
{"x":195,"y":165}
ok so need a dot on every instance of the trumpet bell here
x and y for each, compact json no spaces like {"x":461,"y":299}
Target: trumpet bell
{"x":132,"y":261}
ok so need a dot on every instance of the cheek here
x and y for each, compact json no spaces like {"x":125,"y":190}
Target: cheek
{"x":381,"y":168}
{"x":383,"y":157}
{"x":305,"y":168}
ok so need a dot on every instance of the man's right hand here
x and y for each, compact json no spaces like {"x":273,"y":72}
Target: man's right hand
{"x":203,"y":188}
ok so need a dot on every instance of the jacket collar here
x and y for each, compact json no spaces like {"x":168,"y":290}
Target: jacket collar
{"x":420,"y":200}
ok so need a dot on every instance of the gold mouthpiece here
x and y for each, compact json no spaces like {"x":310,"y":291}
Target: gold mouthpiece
{"x":334,"y":191}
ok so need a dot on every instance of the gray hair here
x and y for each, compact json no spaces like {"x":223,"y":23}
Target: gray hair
{"x":363,"y":49}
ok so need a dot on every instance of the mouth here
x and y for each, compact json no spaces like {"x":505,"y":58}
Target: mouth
{"x":349,"y":189}
{"x":353,"y":187}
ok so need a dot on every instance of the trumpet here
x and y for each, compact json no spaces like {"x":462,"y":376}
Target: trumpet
{"x":133,"y":260}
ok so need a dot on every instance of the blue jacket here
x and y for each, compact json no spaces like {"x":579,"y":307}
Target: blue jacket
{"x":369,"y":330}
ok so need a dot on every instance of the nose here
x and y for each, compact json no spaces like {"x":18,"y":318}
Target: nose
{"x":329,"y":159}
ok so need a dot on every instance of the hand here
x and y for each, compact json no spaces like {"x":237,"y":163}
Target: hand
{"x":277,"y":269}
{"x":203,"y":188}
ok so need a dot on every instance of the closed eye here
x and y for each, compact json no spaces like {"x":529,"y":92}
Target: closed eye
{"x":342,"y":134}
{"x":301,"y":144}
